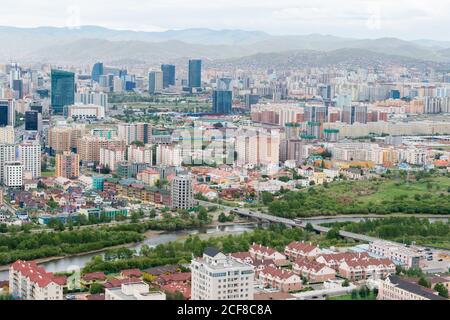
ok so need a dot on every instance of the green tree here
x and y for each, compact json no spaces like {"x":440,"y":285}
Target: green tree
{"x":441,"y":289}
{"x":96,"y":288}
{"x":424,"y":282}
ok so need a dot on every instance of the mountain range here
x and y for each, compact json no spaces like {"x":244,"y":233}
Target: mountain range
{"x":88,"y":44}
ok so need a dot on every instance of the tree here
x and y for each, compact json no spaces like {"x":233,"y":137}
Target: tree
{"x":441,"y":289}
{"x":134,"y":217}
{"x":96,"y":288}
{"x":138,"y":143}
{"x":309,"y":227}
{"x":424,"y":282}
{"x":346,"y":283}
{"x":333,"y":234}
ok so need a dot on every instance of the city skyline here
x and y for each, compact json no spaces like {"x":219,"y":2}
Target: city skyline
{"x":407,"y":20}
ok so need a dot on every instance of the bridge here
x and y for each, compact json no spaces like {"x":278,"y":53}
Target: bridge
{"x":295,"y":223}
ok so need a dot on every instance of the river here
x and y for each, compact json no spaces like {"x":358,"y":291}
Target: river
{"x":76,"y":262}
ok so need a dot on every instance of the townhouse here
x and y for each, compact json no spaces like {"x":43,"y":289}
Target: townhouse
{"x":296,"y":250}
{"x":313,"y":271}
{"x":281,"y":279}
{"x":260,"y":252}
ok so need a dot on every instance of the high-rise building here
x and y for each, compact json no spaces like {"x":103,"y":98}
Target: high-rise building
{"x":155,"y":81}
{"x":29,"y":154}
{"x":18,"y":88}
{"x":195,"y":73}
{"x":97,"y":98}
{"x":168,"y":71}
{"x":97,"y":71}
{"x":216,"y":276}
{"x":33,"y":121}
{"x":7,"y":154}
{"x":222,"y":102}
{"x":67,"y":165}
{"x":110,"y":157}
{"x":64,"y":138}
{"x":353,"y":114}
{"x":89,"y":147}
{"x":182,"y":194}
{"x":13,"y":174}
{"x":63,"y":90}
{"x":7,"y":113}
{"x":7,"y":135}
{"x":131,"y":132}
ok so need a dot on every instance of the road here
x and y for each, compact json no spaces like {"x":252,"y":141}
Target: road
{"x":295,"y":223}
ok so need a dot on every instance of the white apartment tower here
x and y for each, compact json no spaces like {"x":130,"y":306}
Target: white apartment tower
{"x":216,"y":276}
{"x":7,"y":154}
{"x":13,"y":174}
{"x":182,"y":193}
{"x":29,"y":154}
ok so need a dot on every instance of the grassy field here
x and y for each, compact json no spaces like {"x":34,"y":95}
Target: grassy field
{"x":421,"y":194}
{"x":48,"y":174}
{"x":371,"y":296}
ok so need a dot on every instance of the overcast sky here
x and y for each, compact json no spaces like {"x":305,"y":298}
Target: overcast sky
{"x":407,"y":19}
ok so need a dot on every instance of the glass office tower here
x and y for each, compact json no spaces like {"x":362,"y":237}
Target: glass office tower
{"x":168,"y":71}
{"x":195,"y":73}
{"x":63,"y":90}
{"x":97,"y":71}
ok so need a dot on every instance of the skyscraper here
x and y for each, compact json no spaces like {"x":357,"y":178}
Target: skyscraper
{"x":168,"y":71}
{"x":97,"y":71}
{"x":155,"y":81}
{"x":222,"y":102}
{"x":7,"y":113}
{"x":33,"y":121}
{"x":63,"y":90}
{"x":195,"y":73}
{"x":29,"y":155}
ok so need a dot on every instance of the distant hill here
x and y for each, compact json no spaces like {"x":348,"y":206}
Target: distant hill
{"x":90,"y":43}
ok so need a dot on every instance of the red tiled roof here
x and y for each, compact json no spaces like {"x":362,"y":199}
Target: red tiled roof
{"x":94,"y":276}
{"x":131,"y":273}
{"x":176,"y":277}
{"x":301,"y":246}
{"x":115,"y":283}
{"x":241,"y":255}
{"x":279,"y":273}
{"x":309,"y":265}
{"x":37,"y":274}
{"x":265,"y":250}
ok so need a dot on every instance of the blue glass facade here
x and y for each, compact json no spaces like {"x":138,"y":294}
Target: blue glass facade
{"x":195,"y":73}
{"x":222,"y":102}
{"x":97,"y":71}
{"x":168,"y":71}
{"x":63,"y":90}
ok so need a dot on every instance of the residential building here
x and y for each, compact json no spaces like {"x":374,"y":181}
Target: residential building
{"x":110,"y":157}
{"x":28,"y":281}
{"x":396,"y":288}
{"x":313,"y":271}
{"x":260,"y":252}
{"x":133,"y":291}
{"x":7,"y":135}
{"x":216,"y":276}
{"x":131,"y":132}
{"x":281,"y":279}
{"x":13,"y":174}
{"x":89,"y":147}
{"x":29,"y":154}
{"x":7,"y":154}
{"x":399,"y":254}
{"x":67,"y":165}
{"x":84,"y":112}
{"x":182,"y":193}
{"x":296,"y":250}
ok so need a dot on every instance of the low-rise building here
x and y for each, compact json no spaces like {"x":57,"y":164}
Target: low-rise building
{"x":396,"y":288}
{"x":397,"y":253}
{"x":133,"y":291}
{"x":296,"y":250}
{"x":283,"y":280}
{"x":313,"y":271}
{"x":260,"y":252}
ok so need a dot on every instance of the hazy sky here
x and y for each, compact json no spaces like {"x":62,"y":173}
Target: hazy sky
{"x":407,"y":19}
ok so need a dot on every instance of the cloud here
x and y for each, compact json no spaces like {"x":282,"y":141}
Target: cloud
{"x":361,"y":18}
